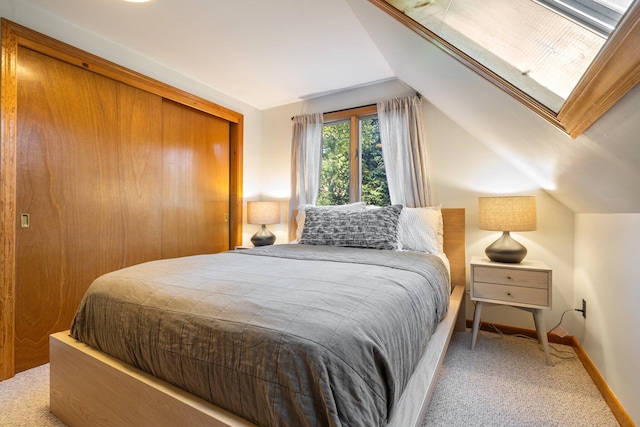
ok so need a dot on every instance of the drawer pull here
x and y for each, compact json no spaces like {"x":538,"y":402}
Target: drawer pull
{"x":509,"y":277}
{"x":509,"y":293}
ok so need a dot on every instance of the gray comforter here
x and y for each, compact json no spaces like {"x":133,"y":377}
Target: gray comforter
{"x":287,"y":335}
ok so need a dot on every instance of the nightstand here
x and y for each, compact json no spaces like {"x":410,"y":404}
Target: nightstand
{"x":526,"y":286}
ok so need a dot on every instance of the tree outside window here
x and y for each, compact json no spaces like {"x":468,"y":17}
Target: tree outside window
{"x":352,"y":167}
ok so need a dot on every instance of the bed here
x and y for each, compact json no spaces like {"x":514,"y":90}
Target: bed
{"x":337,"y":376}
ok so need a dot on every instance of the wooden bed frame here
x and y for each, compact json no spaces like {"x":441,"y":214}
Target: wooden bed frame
{"x":88,"y":387}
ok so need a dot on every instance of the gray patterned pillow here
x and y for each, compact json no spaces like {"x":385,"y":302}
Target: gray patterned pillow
{"x":375,"y":228}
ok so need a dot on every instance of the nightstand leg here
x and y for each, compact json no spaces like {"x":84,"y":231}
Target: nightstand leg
{"x":538,"y":319}
{"x":476,"y":323}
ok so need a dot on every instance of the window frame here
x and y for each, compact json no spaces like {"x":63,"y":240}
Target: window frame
{"x":353,"y":115}
{"x":613,"y":72}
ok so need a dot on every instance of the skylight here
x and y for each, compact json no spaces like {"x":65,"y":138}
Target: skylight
{"x":542,"y":47}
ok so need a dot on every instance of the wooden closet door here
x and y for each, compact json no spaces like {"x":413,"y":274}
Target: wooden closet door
{"x":195,"y":182}
{"x":89,"y":176}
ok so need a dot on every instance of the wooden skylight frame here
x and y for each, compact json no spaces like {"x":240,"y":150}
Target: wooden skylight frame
{"x":613,"y":72}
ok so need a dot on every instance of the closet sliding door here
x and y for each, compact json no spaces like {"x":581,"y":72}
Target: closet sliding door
{"x":195,"y":182}
{"x":102,"y":168}
{"x":88,"y":191}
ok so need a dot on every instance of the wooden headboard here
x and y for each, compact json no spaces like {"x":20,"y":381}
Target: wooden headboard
{"x":455,"y":243}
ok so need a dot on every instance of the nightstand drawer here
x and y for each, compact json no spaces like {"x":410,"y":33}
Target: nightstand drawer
{"x":511,"y":277}
{"x":511,"y":294}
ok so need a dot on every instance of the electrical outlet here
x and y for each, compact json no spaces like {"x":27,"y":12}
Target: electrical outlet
{"x":584,"y":309}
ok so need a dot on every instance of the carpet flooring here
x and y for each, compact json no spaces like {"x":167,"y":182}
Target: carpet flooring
{"x":506,"y":382}
{"x":503,"y":382}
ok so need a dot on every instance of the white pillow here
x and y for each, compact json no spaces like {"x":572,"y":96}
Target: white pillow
{"x":300,"y":217}
{"x":421,"y":229}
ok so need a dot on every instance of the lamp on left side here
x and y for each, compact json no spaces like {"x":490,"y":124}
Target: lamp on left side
{"x":263,"y":213}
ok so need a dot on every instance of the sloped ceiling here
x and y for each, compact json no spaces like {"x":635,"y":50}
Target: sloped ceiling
{"x":263,"y":53}
{"x":599,"y":172}
{"x":267,"y":54}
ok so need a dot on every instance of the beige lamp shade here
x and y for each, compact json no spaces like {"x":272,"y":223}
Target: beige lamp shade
{"x":263,"y":213}
{"x":511,"y":213}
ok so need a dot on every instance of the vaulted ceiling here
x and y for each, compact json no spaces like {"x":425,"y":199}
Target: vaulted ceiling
{"x":280,"y":52}
{"x":263,"y":53}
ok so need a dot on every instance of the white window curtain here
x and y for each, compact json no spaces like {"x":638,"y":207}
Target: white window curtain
{"x":404,"y":151}
{"x":306,"y":156}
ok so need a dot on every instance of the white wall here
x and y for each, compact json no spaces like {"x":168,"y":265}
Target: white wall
{"x":462,"y":170}
{"x":608,"y":278}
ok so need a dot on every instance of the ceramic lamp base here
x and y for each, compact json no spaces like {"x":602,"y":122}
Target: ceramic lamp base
{"x":263,"y":237}
{"x":505,"y":249}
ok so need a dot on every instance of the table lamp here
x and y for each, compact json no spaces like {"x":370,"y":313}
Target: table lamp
{"x":511,"y":213}
{"x":263,"y":213}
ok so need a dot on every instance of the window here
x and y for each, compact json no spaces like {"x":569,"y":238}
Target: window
{"x":352,"y":167}
{"x":560,"y":58}
{"x":529,"y":45}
